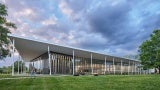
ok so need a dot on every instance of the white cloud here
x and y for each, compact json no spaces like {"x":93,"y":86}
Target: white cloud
{"x":65,"y":8}
{"x":50,"y":21}
{"x":26,"y":12}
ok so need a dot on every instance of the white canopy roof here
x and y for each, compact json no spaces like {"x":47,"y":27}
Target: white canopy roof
{"x":30,"y":49}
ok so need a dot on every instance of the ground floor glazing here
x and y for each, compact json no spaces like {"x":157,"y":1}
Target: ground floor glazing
{"x":57,"y":63}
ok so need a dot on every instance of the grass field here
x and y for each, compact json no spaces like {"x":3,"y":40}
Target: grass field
{"x":108,"y":82}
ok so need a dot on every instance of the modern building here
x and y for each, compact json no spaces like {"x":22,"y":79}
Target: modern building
{"x":49,"y":58}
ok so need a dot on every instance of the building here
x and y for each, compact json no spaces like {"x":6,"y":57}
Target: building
{"x":48,"y":58}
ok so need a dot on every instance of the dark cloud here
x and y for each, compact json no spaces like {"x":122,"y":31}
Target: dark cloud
{"x":91,"y":42}
{"x":111,"y":22}
{"x":115,"y":23}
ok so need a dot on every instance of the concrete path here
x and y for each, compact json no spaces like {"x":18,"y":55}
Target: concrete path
{"x":33,"y":76}
{"x":15,"y":78}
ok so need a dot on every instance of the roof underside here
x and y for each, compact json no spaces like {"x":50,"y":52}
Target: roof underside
{"x":30,"y":49}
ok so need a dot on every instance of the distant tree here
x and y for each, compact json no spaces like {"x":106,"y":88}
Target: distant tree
{"x":5,"y":70}
{"x":150,"y":51}
{"x":21,"y":64}
{"x":5,"y":26}
{"x":132,"y":56}
{"x":1,"y":70}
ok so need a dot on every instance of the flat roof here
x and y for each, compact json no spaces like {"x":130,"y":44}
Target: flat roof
{"x":30,"y":49}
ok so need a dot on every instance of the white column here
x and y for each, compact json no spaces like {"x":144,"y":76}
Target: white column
{"x":18,"y":64}
{"x":105,"y":66}
{"x":49,"y":59}
{"x":73,"y":61}
{"x":38,"y":64}
{"x":13,"y":57}
{"x":41,"y":66}
{"x":128,"y":67}
{"x":91,"y":64}
{"x":132,"y":66}
{"x":21,"y":65}
{"x":121,"y":67}
{"x":55,"y":58}
{"x":113,"y":66}
{"x":24,"y":66}
{"x":140,"y":70}
{"x":135,"y":68}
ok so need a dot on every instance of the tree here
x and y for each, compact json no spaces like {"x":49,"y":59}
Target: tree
{"x":21,"y":66}
{"x":5,"y":26}
{"x":132,"y":56}
{"x":150,"y":51}
{"x":5,"y":70}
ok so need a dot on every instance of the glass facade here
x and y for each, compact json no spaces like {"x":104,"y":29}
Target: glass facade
{"x":63,"y":64}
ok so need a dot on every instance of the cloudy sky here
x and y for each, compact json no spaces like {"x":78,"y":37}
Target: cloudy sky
{"x":115,"y":27}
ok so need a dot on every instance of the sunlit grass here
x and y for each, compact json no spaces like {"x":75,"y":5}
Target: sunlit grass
{"x":108,"y":82}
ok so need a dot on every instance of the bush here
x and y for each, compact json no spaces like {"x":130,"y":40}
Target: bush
{"x":82,"y":73}
{"x":76,"y":74}
{"x":95,"y":74}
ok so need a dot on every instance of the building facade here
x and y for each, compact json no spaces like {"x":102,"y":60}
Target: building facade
{"x":48,"y":58}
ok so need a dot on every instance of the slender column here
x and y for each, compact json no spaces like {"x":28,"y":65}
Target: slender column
{"x":73,"y":61}
{"x":128,"y":67}
{"x":121,"y":67}
{"x":70,"y":65}
{"x":140,"y":70}
{"x":30,"y":67}
{"x":132,"y":66}
{"x":33,"y":64}
{"x":91,"y":64}
{"x":18,"y":64}
{"x":113,"y":66}
{"x":55,"y":63}
{"x":64,"y":65}
{"x":36,"y":62}
{"x":49,"y":59}
{"x":105,"y":66}
{"x":40,"y":65}
{"x":24,"y":70}
{"x":135,"y":67}
{"x":13,"y":57}
{"x":21,"y":65}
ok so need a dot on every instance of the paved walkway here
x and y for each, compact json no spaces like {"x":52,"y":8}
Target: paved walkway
{"x":15,"y":78}
{"x":33,"y":76}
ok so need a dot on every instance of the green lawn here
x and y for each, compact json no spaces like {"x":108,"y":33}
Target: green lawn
{"x":108,"y":82}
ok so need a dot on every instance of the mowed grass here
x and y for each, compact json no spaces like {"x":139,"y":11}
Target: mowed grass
{"x":106,"y":82}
